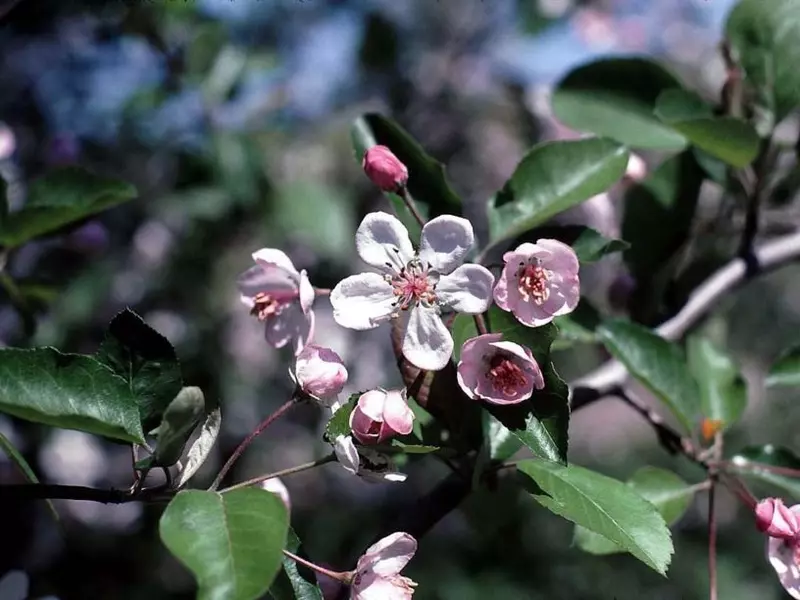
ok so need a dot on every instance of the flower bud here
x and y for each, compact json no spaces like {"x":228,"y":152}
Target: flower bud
{"x":276,"y":486}
{"x":320,"y":373}
{"x":384,"y":169}
{"x":379,"y":416}
{"x":636,"y":169}
{"x":776,"y":520}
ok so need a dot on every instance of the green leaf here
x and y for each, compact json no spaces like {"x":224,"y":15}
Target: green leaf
{"x":146,"y":360}
{"x":59,"y":199}
{"x":605,"y":506}
{"x":748,"y":461}
{"x":426,"y":179}
{"x":615,"y":98}
{"x":577,"y":327}
{"x":70,"y":391}
{"x":542,"y":422}
{"x":202,"y":446}
{"x":24,"y":468}
{"x":231,"y":542}
{"x":413,"y":448}
{"x":500,"y":442}
{"x":732,"y":140}
{"x":764,"y":34}
{"x":658,"y":364}
{"x":723,"y":391}
{"x":552,"y":177}
{"x":339,"y":423}
{"x":664,"y":489}
{"x":786,"y":370}
{"x":290,"y":584}
{"x":179,"y":421}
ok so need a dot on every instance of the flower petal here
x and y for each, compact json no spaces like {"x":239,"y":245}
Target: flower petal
{"x":427,"y":344}
{"x":362,"y":301}
{"x":468,"y":289}
{"x":374,"y":587}
{"x":397,"y":414}
{"x":306,"y":292}
{"x":371,"y":404}
{"x":347,"y":454}
{"x":562,"y":257}
{"x":781,"y":557}
{"x":267,"y":257}
{"x":290,"y":324}
{"x":388,"y":556}
{"x":258,"y":279}
{"x":445,"y":242}
{"x":382,"y":242}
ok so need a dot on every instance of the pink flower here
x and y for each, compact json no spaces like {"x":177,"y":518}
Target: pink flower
{"x":276,"y":486}
{"x":377,"y":575}
{"x":496,"y":371}
{"x":280,"y":297}
{"x":784,"y":554}
{"x":384,"y":169}
{"x":776,"y":520}
{"x":379,"y":416}
{"x":320,"y":373}
{"x":423,"y":283}
{"x":539,"y":281}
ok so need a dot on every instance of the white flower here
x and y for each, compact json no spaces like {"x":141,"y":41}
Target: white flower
{"x":423,"y":283}
{"x":377,"y":575}
{"x":368,"y":464}
{"x":281,"y":297}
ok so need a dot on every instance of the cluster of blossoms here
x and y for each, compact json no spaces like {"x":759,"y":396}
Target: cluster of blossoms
{"x":419,"y":288}
{"x":782,"y":525}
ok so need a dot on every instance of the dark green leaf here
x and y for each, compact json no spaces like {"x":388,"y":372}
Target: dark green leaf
{"x":59,"y":199}
{"x":146,"y":360}
{"x":70,"y":391}
{"x":500,"y":442}
{"x":664,"y":489}
{"x":577,"y":327}
{"x":339,"y":423}
{"x":202,"y":446}
{"x":552,"y":177}
{"x":605,"y":506}
{"x":413,"y":448}
{"x":732,"y":140}
{"x":764,"y":33}
{"x":749,"y":462}
{"x":542,"y":422}
{"x":786,"y":370}
{"x":232,"y":542}
{"x":658,"y":364}
{"x":426,"y":179}
{"x":723,"y":391}
{"x":290,"y":584}
{"x":615,"y":98}
{"x":179,"y":421}
{"x":589,"y":244}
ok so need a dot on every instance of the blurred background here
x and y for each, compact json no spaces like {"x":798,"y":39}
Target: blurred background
{"x":232,"y":119}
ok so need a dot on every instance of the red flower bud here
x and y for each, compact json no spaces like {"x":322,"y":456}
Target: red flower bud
{"x":384,"y":169}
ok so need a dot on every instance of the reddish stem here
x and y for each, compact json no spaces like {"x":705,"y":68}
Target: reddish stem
{"x":712,"y":542}
{"x":412,"y":207}
{"x":345,"y":577}
{"x":480,"y":324}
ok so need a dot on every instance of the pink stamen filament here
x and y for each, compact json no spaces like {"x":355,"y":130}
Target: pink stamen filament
{"x":505,"y":375}
{"x":532,"y":282}
{"x":411,"y":285}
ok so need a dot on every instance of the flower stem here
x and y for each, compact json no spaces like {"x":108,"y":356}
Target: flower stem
{"x":322,"y":291}
{"x":290,"y":471}
{"x":411,"y":205}
{"x":480,"y":324}
{"x":712,"y":542}
{"x":249,"y":439}
{"x":345,"y":577}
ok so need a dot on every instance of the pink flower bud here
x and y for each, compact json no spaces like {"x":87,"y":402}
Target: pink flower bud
{"x":384,"y":169}
{"x":776,"y":520}
{"x":636,"y":169}
{"x":380,"y":415}
{"x":320,"y":373}
{"x":276,"y":486}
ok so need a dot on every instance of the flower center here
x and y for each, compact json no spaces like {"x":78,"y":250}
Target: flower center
{"x":533,"y":283}
{"x":264,"y":306}
{"x":505,"y":375}
{"x":413,"y":284}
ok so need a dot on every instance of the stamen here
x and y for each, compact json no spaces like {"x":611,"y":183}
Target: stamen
{"x":505,"y":375}
{"x":533,"y":282}
{"x":264,"y":306}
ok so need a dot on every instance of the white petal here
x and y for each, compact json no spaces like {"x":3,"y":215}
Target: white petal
{"x":445,"y":242}
{"x":362,"y":301}
{"x":382,"y":242}
{"x":290,"y":324}
{"x":306,"y":292}
{"x":388,"y":556}
{"x":781,"y":557}
{"x":347,"y":454}
{"x":373,"y":587}
{"x":427,"y":344}
{"x":271,"y":256}
{"x":468,"y":289}
{"x":265,"y":279}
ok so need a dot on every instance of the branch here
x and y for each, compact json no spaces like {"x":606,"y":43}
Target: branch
{"x":770,"y":256}
{"x":42,"y":491}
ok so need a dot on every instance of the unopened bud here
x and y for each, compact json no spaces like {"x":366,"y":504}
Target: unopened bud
{"x":379,"y":416}
{"x":384,"y":169}
{"x":776,"y":520}
{"x":320,"y":373}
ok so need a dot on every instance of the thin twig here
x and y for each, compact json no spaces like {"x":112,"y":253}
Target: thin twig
{"x":281,"y":410}
{"x":343,"y":577}
{"x":283,"y":473}
{"x":670,"y":439}
{"x":612,"y":374}
{"x":712,"y":541}
{"x":42,"y":491}
{"x":411,"y":205}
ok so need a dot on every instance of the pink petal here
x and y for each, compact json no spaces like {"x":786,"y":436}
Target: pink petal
{"x":360,"y":426}
{"x":388,"y":556}
{"x":371,"y":404}
{"x":269,"y":257}
{"x":397,"y":415}
{"x":562,"y":257}
{"x":782,"y":558}
{"x":289,"y":324}
{"x":306,"y":292}
{"x":374,"y":587}
{"x":260,"y":279}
